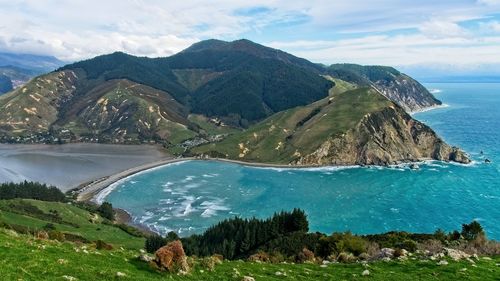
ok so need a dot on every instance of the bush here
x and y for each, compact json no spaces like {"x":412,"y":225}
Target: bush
{"x":154,"y":242}
{"x":130,"y":230}
{"x":56,"y":235}
{"x":101,"y":245}
{"x":106,"y":211}
{"x":346,"y":257}
{"x":408,"y":245}
{"x":259,"y":257}
{"x":306,"y":256}
{"x":472,"y":230}
{"x":49,"y":226}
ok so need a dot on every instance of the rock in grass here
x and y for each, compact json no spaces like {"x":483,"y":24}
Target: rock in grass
{"x":443,"y":262}
{"x":456,"y":254}
{"x":172,"y":258}
{"x":70,"y":278}
{"x":366,"y":272}
{"x":120,"y":274}
{"x":248,"y":278}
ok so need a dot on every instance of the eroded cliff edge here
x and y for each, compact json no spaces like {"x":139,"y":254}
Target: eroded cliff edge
{"x":387,"y":137}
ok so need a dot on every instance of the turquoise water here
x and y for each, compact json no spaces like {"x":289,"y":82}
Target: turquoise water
{"x":190,"y":196}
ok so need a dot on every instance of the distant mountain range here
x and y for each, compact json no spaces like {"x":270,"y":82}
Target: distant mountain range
{"x":237,"y":100}
{"x":17,"y":69}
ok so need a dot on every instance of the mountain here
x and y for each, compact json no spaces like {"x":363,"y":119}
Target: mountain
{"x":5,"y":84}
{"x":353,"y":126}
{"x":32,"y":62}
{"x":17,"y":69}
{"x":229,"y":99}
{"x":396,"y":86}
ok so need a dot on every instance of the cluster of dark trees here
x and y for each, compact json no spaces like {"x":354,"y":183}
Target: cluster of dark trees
{"x":237,"y":237}
{"x":286,"y":234}
{"x":31,"y":190}
{"x":106,"y":211}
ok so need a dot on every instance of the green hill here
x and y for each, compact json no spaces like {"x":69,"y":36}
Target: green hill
{"x":31,"y":215}
{"x":250,"y":103}
{"x":349,"y":127}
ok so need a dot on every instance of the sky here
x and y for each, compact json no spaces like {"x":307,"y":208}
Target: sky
{"x":444,"y":36}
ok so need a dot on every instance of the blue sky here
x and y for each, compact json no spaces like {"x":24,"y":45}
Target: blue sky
{"x":444,"y":36}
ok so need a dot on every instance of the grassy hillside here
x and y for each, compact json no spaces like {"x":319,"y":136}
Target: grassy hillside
{"x":300,"y":130}
{"x":26,"y":258}
{"x":19,"y":213}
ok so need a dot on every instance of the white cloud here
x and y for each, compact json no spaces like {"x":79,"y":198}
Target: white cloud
{"x":400,"y":50}
{"x":392,"y":32}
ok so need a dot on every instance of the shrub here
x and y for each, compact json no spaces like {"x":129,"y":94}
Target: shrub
{"x":154,"y":242}
{"x":259,"y":257}
{"x":56,"y":235}
{"x":49,"y":226}
{"x":106,"y":211}
{"x":432,"y":245}
{"x":101,"y":245}
{"x":130,"y":230}
{"x":344,"y":257}
{"x":408,"y":245}
{"x":472,"y":230}
{"x":209,"y":263}
{"x":346,"y":242}
{"x":306,"y":256}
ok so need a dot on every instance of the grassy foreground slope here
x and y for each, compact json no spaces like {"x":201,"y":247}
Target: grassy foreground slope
{"x":25,"y":258}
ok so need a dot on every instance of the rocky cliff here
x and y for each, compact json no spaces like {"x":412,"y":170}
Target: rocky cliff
{"x":387,"y":137}
{"x":407,"y":92}
{"x":394,"y":85}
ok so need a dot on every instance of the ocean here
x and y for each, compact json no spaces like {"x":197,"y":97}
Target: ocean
{"x":188,"y":197}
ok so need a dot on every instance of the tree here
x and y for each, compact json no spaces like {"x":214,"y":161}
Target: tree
{"x":106,"y":211}
{"x":154,"y":242}
{"x":472,"y":230}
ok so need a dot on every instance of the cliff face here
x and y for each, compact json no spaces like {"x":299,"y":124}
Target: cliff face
{"x":386,"y":137}
{"x":407,"y":92}
{"x":394,"y":85}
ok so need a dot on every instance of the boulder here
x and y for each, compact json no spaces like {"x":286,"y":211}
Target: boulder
{"x":366,"y":272}
{"x":247,"y":278}
{"x":145,"y":258}
{"x":456,"y":254}
{"x":386,"y":253}
{"x":443,"y":262}
{"x":172,"y":258}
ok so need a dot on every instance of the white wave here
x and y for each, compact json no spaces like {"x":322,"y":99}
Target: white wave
{"x":394,"y":210}
{"x":212,"y":207}
{"x":210,"y":175}
{"x":192,"y":185}
{"x":430,"y":108}
{"x":188,"y":178}
{"x":308,"y":169}
{"x":435,"y":91}
{"x":186,"y":207}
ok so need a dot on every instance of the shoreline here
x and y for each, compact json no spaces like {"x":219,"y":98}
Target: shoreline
{"x":89,"y":191}
{"x":430,"y":108}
